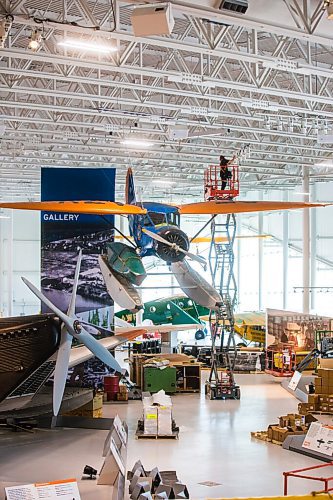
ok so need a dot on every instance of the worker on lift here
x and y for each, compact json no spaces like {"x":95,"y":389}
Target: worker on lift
{"x":225,"y":173}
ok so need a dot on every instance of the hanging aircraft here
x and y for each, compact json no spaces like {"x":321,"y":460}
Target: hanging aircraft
{"x":155,"y":228}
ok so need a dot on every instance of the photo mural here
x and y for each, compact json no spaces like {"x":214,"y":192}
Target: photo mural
{"x":295,"y":328}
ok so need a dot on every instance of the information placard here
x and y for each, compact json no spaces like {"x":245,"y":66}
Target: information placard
{"x":319,"y":438}
{"x":66,"y":489}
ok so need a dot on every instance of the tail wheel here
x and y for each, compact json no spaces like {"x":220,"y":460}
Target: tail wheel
{"x":199,"y":335}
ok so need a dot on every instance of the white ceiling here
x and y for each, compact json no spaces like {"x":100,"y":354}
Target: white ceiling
{"x":58,"y":105}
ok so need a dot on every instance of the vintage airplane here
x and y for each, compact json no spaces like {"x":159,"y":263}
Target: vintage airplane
{"x":156,"y":232}
{"x":32,"y":348}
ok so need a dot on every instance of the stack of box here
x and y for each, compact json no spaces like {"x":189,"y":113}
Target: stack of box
{"x":157,"y":415}
{"x":122,"y":394}
{"x":291,"y":424}
{"x":322,"y":400}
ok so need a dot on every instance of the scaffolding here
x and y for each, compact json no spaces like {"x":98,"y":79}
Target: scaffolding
{"x":221,"y":383}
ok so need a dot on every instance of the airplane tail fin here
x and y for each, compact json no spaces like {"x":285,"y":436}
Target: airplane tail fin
{"x":130,"y":189}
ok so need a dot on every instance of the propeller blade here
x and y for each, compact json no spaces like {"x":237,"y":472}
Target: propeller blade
{"x":47,"y":302}
{"x":159,"y":238}
{"x":71,"y":307}
{"x":61,"y":369}
{"x":99,"y":350}
{"x":195,"y":257}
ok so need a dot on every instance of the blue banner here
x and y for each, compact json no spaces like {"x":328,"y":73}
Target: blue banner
{"x":63,"y":234}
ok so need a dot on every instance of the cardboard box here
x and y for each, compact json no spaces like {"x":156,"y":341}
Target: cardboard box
{"x":164,"y":425}
{"x":275,"y":432}
{"x":284,"y":421}
{"x":150,"y":419}
{"x":270,"y":431}
{"x":326,"y":363}
{"x":303,"y":408}
{"x":324,"y":407}
{"x":313,"y":398}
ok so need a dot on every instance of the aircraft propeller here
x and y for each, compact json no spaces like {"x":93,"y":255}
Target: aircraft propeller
{"x":174,"y":246}
{"x":70,"y":328}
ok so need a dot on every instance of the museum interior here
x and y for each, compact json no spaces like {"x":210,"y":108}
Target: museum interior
{"x":166,"y":249}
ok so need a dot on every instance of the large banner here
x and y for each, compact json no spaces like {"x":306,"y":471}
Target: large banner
{"x":295,"y":328}
{"x":63,"y":234}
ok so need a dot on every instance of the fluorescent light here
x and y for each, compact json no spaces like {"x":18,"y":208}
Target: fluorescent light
{"x":199,"y":111}
{"x":157,"y":119}
{"x":164,"y":182}
{"x":324,"y":164}
{"x":259,"y":104}
{"x":88,"y":46}
{"x":137,"y":142}
{"x":301,"y":193}
{"x":191,"y":79}
{"x":4,"y":217}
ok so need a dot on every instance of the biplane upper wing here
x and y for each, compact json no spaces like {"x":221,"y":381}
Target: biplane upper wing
{"x":234,"y":207}
{"x":78,"y":207}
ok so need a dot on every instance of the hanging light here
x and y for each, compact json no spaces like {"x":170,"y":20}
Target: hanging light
{"x":329,"y":8}
{"x":35,"y":40}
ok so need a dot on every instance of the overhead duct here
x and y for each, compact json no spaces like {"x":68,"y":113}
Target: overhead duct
{"x":153,"y":19}
{"x":240,"y":6}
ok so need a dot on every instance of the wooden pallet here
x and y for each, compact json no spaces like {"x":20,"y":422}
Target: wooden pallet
{"x":141,"y":435}
{"x":263,"y":436}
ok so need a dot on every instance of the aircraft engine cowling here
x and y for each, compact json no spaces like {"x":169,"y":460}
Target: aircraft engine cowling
{"x":173,"y":235}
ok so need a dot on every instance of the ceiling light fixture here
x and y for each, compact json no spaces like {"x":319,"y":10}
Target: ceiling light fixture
{"x":163,"y":182}
{"x":259,"y":104}
{"x":328,"y":164}
{"x":137,"y":142}
{"x":301,"y":193}
{"x":199,"y":111}
{"x":5,"y":25}
{"x":328,"y":4}
{"x":35,"y":40}
{"x":191,"y":79}
{"x":87,"y":46}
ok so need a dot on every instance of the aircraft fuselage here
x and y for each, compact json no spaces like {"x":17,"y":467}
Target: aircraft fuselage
{"x":163,"y":220}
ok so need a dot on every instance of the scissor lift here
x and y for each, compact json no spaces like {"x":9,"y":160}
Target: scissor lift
{"x":213,"y":183}
{"x":221,"y":383}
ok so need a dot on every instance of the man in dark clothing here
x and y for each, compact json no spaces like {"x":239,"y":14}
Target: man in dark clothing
{"x":224,"y":172}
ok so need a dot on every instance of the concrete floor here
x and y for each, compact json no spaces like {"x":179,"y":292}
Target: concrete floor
{"x":214,"y":445}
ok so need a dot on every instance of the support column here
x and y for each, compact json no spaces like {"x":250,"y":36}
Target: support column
{"x":313,"y":247}
{"x":306,"y":242}
{"x":285,"y":250}
{"x":260,"y":255}
{"x":1,"y":268}
{"x":9,"y":255}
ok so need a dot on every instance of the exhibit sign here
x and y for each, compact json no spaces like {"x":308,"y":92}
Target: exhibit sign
{"x":294,"y":328}
{"x":319,"y":438}
{"x":66,"y":489}
{"x":63,"y":234}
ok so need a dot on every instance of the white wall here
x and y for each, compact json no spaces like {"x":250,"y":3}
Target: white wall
{"x":19,"y":256}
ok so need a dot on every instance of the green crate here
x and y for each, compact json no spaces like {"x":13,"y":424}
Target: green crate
{"x":155,"y":379}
